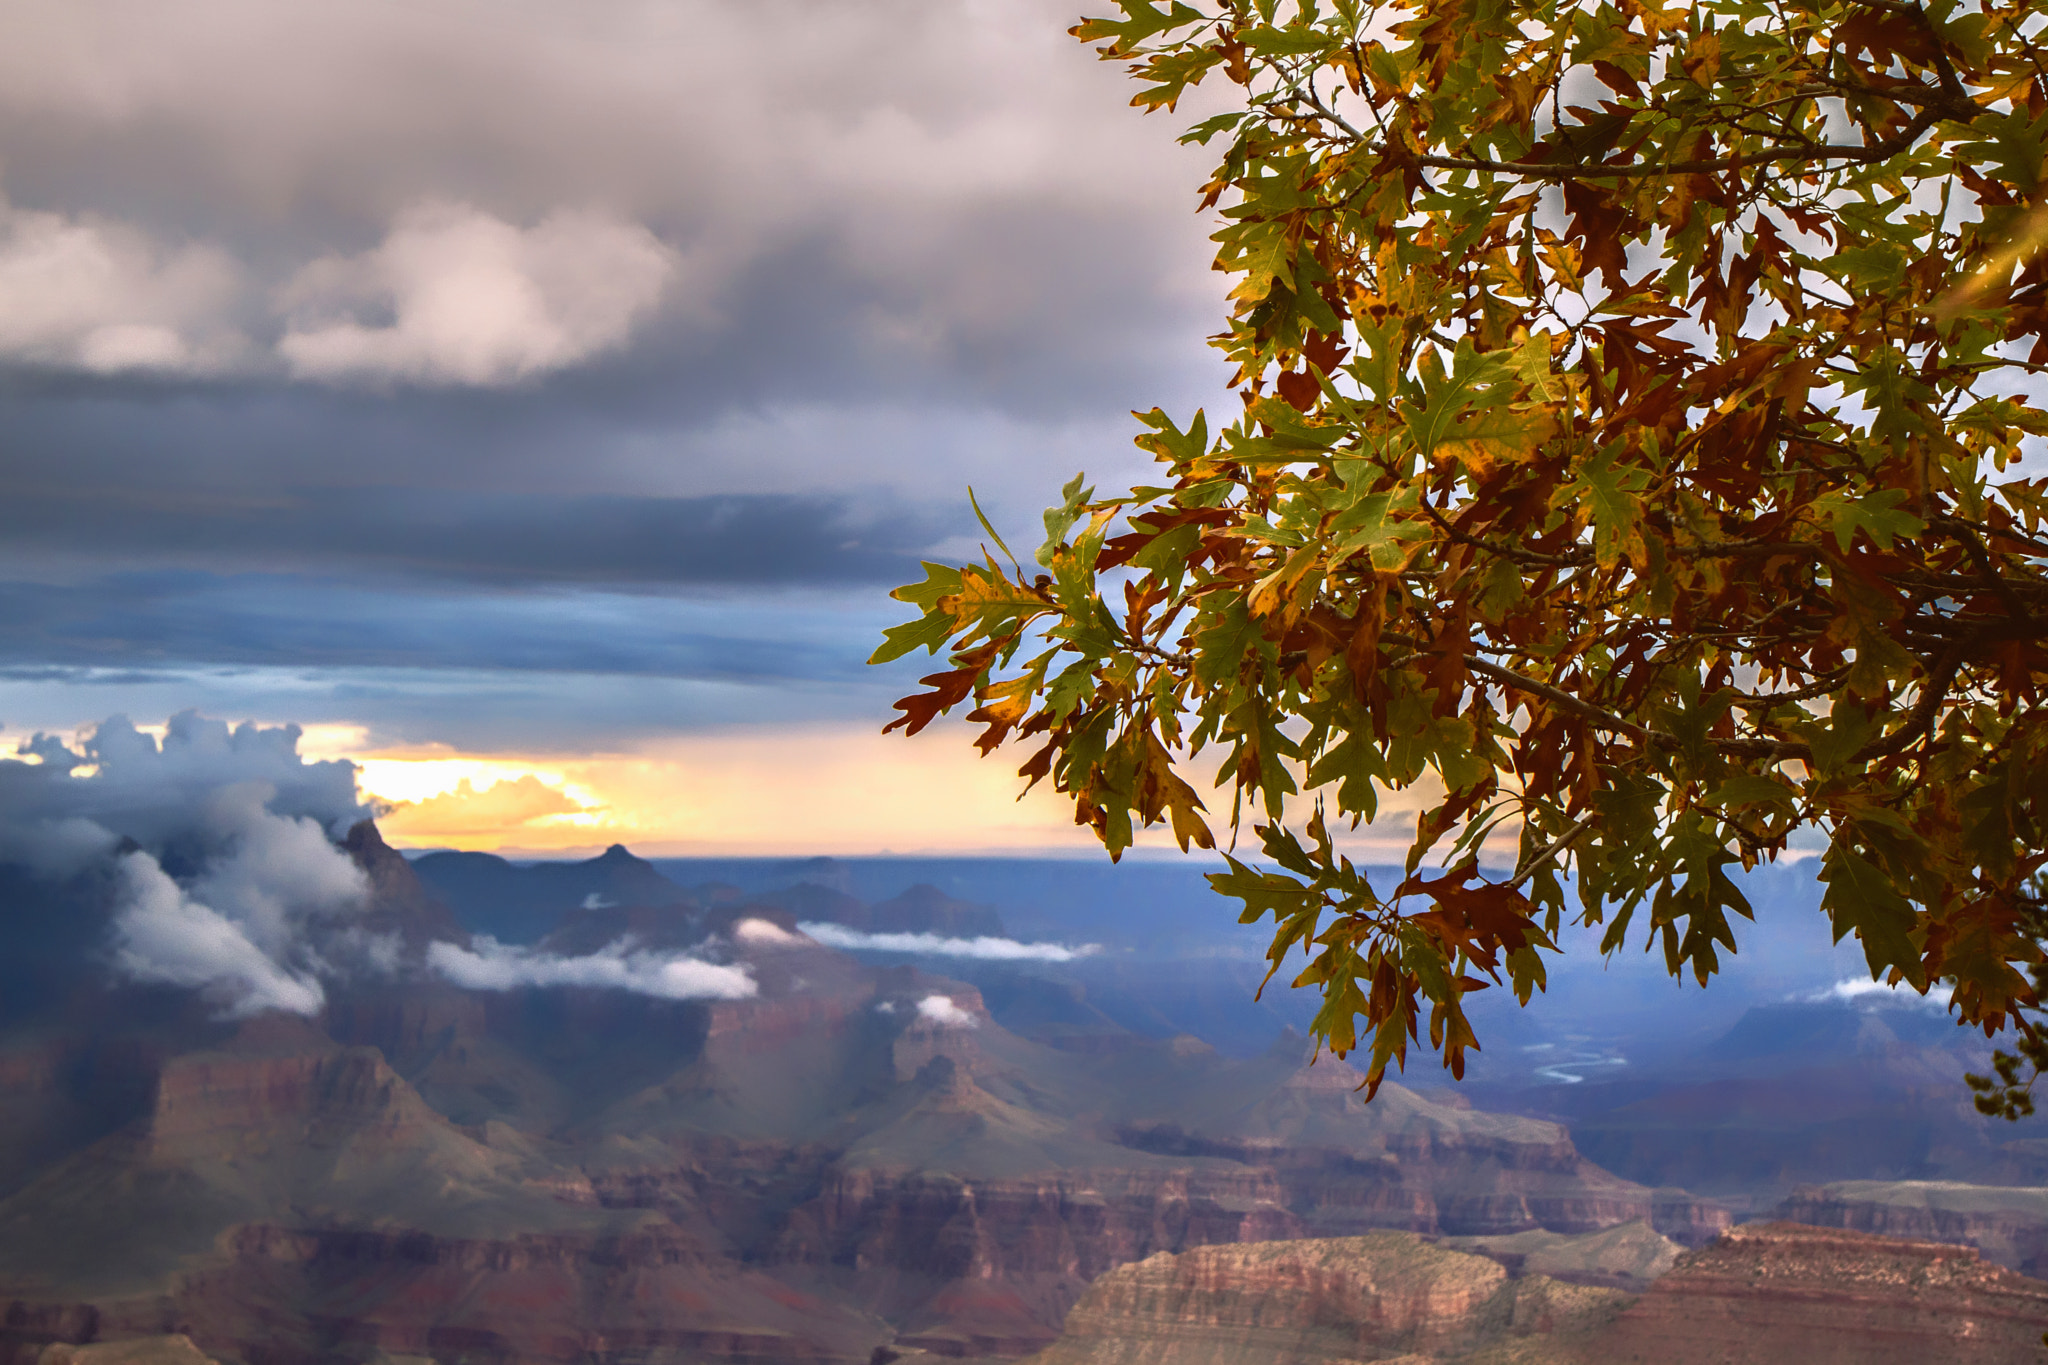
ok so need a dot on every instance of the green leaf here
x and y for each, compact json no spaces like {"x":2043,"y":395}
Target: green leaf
{"x":931,"y":631}
{"x":1288,"y":42}
{"x":989,"y":527}
{"x":1612,"y":495}
{"x":1141,"y":21}
{"x":1059,"y":520}
{"x":1862,"y":900}
{"x":1223,"y":644}
{"x":1877,"y":515}
{"x":1752,"y":789}
{"x":1370,"y":526}
{"x":940,"y":580}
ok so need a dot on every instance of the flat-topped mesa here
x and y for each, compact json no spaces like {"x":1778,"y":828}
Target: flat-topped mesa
{"x":209,"y":1104}
{"x":1407,"y":1163}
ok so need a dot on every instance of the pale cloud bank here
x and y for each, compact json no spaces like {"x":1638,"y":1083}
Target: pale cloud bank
{"x":254,"y":930}
{"x":89,"y":293}
{"x":452,"y":297}
{"x":270,"y":904}
{"x":932,"y":945}
{"x":474,"y":300}
{"x":493,"y":966}
{"x":164,"y":935}
{"x":1851,"y":990}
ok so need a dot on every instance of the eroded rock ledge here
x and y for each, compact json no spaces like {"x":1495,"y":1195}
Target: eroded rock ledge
{"x":1763,"y":1294}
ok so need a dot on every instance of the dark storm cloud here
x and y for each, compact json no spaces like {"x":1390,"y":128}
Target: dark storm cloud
{"x":284,"y":621}
{"x":497,"y":538}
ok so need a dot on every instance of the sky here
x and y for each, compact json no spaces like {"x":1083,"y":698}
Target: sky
{"x":535,"y":402}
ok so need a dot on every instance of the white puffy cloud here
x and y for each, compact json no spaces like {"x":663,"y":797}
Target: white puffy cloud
{"x":277,"y":873}
{"x":1861,"y":989}
{"x":248,"y":931}
{"x":765,"y":933}
{"x":965,"y":185}
{"x":472,"y":299}
{"x":269,"y":903}
{"x":452,"y":296}
{"x":985,"y":948}
{"x":94,"y":294}
{"x":163,"y":934}
{"x":493,"y":966}
{"x":940,"y":1010}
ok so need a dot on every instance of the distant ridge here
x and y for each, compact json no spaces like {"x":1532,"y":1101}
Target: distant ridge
{"x":516,"y":903}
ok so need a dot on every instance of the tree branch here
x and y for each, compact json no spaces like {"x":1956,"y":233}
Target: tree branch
{"x":1571,"y":170}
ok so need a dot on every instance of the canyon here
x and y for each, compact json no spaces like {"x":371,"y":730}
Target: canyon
{"x":858,"y":1156}
{"x":866,"y":1159}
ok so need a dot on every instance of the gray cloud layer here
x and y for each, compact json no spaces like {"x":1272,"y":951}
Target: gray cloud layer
{"x":483,"y":535}
{"x":449,"y":193}
{"x":350,"y":337}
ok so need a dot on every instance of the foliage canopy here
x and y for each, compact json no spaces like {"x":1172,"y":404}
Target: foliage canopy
{"x":1634,"y":403}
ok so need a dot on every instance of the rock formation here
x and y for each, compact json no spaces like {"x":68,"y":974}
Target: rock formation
{"x":1781,"y":1294}
{"x":1385,"y":1296}
{"x":174,"y":1349}
{"x":2008,"y":1224}
{"x":1771,"y":1294}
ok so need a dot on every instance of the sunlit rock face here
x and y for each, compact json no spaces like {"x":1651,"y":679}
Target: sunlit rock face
{"x":1769,"y":1294}
{"x":1382,"y":1296}
{"x":1777,"y":1292}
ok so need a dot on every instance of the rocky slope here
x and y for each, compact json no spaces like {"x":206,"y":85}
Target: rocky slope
{"x":1629,"y":1257}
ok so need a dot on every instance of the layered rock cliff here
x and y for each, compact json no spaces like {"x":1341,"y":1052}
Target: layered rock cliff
{"x":1781,"y":1294}
{"x":2008,"y":1224}
{"x":1384,"y":1296}
{"x":1770,"y":1294}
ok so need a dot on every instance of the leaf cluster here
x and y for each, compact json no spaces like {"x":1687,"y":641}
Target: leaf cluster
{"x":1629,"y":454}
